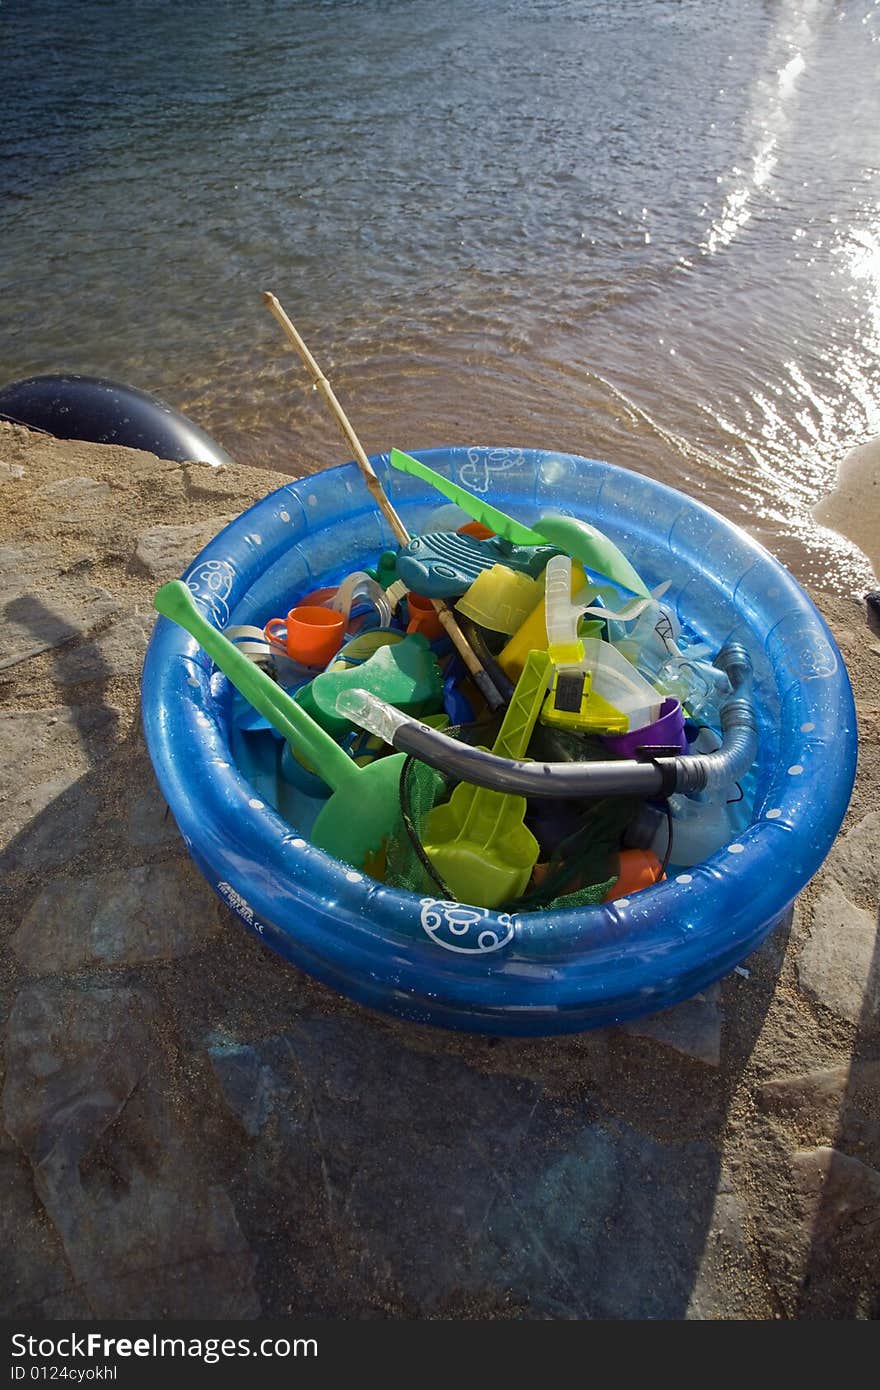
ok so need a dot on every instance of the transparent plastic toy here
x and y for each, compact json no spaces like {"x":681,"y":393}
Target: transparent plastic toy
{"x":594,"y":688}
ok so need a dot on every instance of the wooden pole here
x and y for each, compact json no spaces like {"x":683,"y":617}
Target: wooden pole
{"x":481,"y":677}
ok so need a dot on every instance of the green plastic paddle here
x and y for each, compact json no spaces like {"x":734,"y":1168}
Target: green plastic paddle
{"x":365,"y":806}
{"x":477,"y":840}
{"x":499,"y":522}
{"x":580,"y":540}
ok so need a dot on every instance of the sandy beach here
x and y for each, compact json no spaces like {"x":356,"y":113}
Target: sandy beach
{"x":852,"y":508}
{"x":193,"y":1128}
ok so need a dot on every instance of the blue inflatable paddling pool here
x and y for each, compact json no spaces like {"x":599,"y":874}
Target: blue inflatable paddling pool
{"x":465,"y":967}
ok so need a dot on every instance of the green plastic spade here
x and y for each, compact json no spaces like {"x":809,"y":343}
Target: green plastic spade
{"x":477,"y":840}
{"x":365,"y":806}
{"x":499,"y":522}
{"x":580,"y":540}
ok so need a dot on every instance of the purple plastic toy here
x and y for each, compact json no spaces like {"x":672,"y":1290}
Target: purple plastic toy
{"x":665,"y":732}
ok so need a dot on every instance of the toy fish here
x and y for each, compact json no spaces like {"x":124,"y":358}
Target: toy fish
{"x":445,"y":564}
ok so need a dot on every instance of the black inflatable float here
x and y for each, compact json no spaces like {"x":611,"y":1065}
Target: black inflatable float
{"x":107,"y":412}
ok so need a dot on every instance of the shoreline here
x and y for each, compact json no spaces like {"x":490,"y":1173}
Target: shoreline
{"x":852,"y":507}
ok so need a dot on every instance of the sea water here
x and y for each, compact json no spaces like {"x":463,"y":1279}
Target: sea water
{"x":643,"y":231}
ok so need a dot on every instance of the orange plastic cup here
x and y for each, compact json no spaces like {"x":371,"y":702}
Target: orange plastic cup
{"x":423,"y":617}
{"x":309,"y":634}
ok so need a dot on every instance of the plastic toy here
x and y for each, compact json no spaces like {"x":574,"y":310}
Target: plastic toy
{"x":657,"y":776}
{"x":443,"y":564}
{"x":482,"y":511}
{"x":308,"y":634}
{"x":252,"y":642}
{"x":701,"y":824}
{"x":457,"y":705}
{"x":574,"y":704}
{"x":595,"y":551}
{"x":477,"y":841}
{"x":361,"y":590}
{"x":406,"y":674}
{"x":500,"y":599}
{"x":594,"y":688}
{"x":364,"y":807}
{"x":636,"y":869}
{"x":422,"y":617}
{"x":385,"y":569}
{"x":362,"y":646}
{"x":666,"y":734}
{"x":573,"y":535}
{"x":541,"y":972}
{"x":532,"y":636}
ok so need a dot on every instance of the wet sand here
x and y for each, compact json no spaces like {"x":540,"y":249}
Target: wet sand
{"x":852,"y":508}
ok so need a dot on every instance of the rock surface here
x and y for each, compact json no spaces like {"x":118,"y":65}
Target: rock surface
{"x":165,"y":551}
{"x":194,"y":1128}
{"x":837,"y":966}
{"x":32,"y":621}
{"x":124,"y":917}
{"x":693,"y":1027}
{"x":45,"y":753}
{"x":86,"y":1100}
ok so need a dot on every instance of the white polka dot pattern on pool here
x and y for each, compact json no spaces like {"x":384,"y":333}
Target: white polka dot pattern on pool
{"x":774,"y":814}
{"x":285,"y":516}
{"x":795,"y":770}
{"x":256,"y":803}
{"x":684,"y":878}
{"x":807,"y":728}
{"x":735,"y":849}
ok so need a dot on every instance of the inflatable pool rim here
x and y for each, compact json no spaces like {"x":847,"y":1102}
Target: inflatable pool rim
{"x":466,"y":967}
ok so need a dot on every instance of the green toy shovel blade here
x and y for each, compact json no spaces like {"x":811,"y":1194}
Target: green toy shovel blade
{"x":365,"y":806}
{"x":497,"y":521}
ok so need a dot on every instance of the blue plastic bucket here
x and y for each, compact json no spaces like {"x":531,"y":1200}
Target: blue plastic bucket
{"x":467,"y":967}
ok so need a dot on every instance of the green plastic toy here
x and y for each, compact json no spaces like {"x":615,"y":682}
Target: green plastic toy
{"x":406,"y":674}
{"x":365,"y":806}
{"x":499,"y":522}
{"x":477,"y":840}
{"x":583,"y":542}
{"x":595,"y":551}
{"x":385,"y":569}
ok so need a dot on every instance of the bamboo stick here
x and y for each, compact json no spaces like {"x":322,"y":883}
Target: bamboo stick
{"x":481,"y":677}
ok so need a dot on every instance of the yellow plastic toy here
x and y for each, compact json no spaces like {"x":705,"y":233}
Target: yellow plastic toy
{"x":501,"y":599}
{"x":594,"y":689}
{"x":573,"y":704}
{"x":532,"y":636}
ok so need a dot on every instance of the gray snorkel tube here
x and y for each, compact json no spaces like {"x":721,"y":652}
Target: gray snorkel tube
{"x":650,"y":777}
